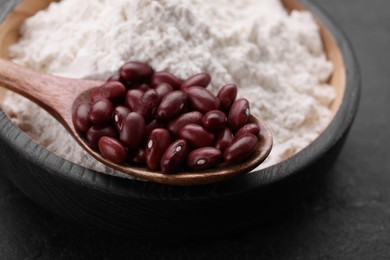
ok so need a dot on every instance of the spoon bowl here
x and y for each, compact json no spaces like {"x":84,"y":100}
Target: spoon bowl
{"x":61,"y":96}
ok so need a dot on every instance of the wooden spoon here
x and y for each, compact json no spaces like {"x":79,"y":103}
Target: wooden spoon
{"x":60,"y":96}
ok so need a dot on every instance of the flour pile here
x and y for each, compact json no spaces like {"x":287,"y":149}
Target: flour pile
{"x":275,"y":58}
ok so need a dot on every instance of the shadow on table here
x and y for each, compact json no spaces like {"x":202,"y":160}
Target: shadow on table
{"x":282,"y":212}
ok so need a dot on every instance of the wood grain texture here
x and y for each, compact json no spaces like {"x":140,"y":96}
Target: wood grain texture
{"x":56,"y":95}
{"x":132,"y":207}
{"x":95,"y":205}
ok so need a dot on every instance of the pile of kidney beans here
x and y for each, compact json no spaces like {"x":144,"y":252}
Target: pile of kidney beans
{"x":144,"y":117}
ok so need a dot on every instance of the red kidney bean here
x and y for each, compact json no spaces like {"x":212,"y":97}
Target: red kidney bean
{"x":174,"y":157}
{"x":214,"y":120}
{"x":81,"y":118}
{"x":165,"y":77}
{"x":200,"y":80}
{"x":248,"y":129}
{"x":143,"y":87}
{"x":163,"y":89}
{"x":240,"y":149}
{"x":148,"y":103}
{"x":172,"y":105}
{"x":157,"y":144}
{"x":135,"y":71}
{"x":133,"y":131}
{"x":164,"y":105}
{"x":227,"y":95}
{"x":112,"y":150}
{"x":101,"y":111}
{"x":113,"y":90}
{"x":96,"y":95}
{"x":224,"y":139}
{"x":133,"y":96}
{"x":151,"y":126}
{"x":239,"y":114}
{"x":201,"y":99}
{"x":139,"y":156}
{"x":96,"y":132}
{"x":120,"y":113}
{"x":197,"y":135}
{"x":174,"y":126}
{"x":204,"y":158}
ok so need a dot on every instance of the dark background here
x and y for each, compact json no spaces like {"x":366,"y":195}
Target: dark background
{"x":343,"y":215}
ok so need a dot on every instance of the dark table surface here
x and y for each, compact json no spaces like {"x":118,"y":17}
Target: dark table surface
{"x":345,"y":215}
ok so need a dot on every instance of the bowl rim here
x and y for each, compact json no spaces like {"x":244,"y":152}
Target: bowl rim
{"x":138,"y":189}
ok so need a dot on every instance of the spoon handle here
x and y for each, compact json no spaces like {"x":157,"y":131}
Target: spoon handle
{"x":54,"y":94}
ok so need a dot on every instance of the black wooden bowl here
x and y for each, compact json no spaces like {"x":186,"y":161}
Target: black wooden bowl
{"x":138,"y":208}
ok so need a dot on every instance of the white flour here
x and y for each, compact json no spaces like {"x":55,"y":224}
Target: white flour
{"x":275,"y":58}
